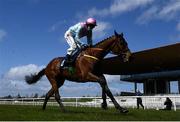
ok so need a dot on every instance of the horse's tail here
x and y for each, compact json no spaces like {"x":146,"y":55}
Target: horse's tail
{"x":33,"y":78}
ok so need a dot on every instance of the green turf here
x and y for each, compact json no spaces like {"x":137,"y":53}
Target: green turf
{"x":15,"y":112}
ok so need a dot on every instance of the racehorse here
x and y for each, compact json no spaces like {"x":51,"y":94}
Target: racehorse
{"x":84,"y":69}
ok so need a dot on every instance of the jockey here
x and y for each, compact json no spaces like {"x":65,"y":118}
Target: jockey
{"x":73,"y":35}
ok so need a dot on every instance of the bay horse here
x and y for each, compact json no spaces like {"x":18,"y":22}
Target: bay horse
{"x":84,"y":70}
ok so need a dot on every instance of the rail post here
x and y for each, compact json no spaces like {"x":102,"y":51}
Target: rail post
{"x":174,"y":102}
{"x":76,"y":102}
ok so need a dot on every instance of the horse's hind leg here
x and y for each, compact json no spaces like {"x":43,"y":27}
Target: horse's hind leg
{"x":57,"y":97}
{"x":56,"y":91}
{"x":48,"y":95}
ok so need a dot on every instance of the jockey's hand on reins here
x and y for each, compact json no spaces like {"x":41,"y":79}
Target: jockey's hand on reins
{"x":84,"y":46}
{"x":90,"y":45}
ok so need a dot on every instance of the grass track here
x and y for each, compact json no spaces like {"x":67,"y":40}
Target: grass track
{"x":15,"y":112}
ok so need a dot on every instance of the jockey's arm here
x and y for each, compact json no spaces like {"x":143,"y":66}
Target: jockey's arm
{"x":77,"y":37}
{"x":89,"y":38}
{"x":78,"y":42}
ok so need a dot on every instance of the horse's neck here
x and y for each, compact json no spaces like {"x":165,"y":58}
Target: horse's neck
{"x":105,"y":45}
{"x":101,"y":49}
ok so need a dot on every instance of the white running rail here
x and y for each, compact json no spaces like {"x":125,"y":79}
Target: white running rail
{"x":149,"y":102}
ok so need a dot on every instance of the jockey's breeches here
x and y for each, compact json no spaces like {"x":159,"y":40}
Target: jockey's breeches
{"x":72,"y":43}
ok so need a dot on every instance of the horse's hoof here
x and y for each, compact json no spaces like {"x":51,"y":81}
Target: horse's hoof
{"x":63,"y":110}
{"x":43,"y":108}
{"x":124,"y":110}
{"x":104,"y":106}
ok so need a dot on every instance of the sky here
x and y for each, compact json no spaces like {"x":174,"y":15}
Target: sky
{"x":32,"y":34}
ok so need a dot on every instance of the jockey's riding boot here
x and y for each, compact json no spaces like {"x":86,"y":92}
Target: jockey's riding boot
{"x":67,"y":60}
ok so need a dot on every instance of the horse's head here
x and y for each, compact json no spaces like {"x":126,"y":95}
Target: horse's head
{"x":120,"y":47}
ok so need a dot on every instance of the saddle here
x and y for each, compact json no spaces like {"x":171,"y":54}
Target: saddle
{"x":74,"y":56}
{"x":72,"y":61}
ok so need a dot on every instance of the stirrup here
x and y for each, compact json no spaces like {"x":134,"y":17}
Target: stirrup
{"x":62,"y":63}
{"x":65,"y":63}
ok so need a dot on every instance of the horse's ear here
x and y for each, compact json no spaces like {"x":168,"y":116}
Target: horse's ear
{"x":122,"y":34}
{"x":115,"y":33}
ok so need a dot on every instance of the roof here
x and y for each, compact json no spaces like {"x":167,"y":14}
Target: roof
{"x":164,"y":58}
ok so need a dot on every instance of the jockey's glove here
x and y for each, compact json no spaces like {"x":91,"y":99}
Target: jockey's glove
{"x":84,"y":46}
{"x":89,"y":45}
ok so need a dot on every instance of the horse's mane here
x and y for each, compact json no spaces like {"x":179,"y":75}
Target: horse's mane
{"x":101,"y":42}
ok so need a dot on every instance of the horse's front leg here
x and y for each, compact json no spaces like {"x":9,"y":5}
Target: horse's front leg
{"x":104,"y":85}
{"x":109,"y":94}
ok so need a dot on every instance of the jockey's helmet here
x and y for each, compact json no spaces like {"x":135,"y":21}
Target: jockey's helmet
{"x":91,"y":21}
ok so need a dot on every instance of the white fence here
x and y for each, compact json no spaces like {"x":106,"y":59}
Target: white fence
{"x":149,"y":102}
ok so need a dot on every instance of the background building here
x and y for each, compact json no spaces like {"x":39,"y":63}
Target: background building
{"x":155,"y":68}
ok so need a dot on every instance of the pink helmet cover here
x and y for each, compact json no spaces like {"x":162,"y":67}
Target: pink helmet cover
{"x":91,"y":21}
